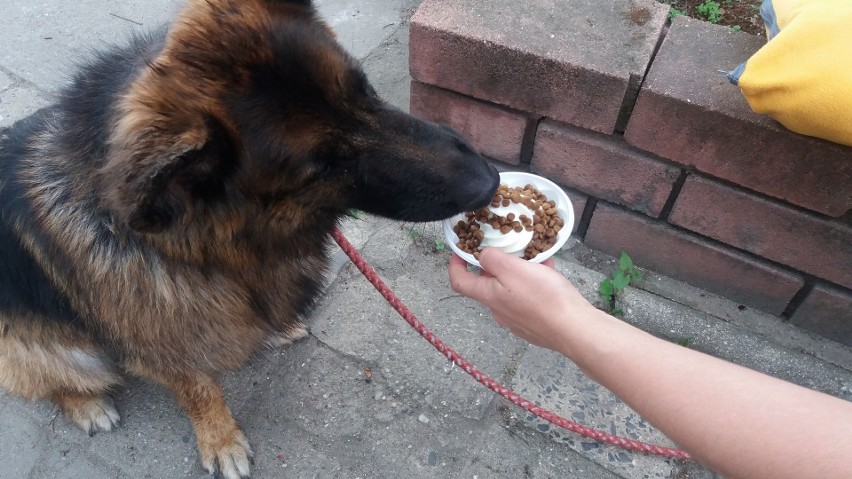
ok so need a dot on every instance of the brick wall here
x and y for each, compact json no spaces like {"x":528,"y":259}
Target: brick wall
{"x":663,"y":154}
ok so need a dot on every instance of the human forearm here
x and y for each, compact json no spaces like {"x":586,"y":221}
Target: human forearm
{"x":737,"y":421}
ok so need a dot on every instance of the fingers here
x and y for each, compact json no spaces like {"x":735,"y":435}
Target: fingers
{"x":465,"y":282}
{"x":499,"y":263}
{"x":497,"y":268}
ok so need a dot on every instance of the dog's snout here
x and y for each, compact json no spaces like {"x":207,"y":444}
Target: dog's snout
{"x":479,"y":188}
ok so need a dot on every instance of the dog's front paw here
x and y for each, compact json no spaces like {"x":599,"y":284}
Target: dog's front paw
{"x":90,"y":413}
{"x":229,"y":458}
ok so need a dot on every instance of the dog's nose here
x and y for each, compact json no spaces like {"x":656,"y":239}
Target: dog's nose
{"x":478,"y":188}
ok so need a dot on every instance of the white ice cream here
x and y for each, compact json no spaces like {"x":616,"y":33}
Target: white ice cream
{"x":512,"y":242}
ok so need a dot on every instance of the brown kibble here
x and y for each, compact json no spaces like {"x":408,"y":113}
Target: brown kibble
{"x":545,"y":222}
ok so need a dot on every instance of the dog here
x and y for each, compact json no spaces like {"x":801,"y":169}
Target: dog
{"x":170,"y":214}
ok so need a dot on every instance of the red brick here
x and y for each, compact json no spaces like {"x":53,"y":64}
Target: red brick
{"x":678,"y":254}
{"x":766,"y":228}
{"x":573,"y":64}
{"x":602,"y":166}
{"x":494,"y":131}
{"x":826,"y":311}
{"x":689,"y":114}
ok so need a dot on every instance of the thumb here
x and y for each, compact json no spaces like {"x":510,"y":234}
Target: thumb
{"x":498,"y":263}
{"x":466,"y":282}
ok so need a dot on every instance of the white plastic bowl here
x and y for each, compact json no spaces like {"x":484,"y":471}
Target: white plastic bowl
{"x":548,"y":188}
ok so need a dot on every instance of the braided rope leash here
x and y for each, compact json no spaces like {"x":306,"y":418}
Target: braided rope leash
{"x":490,"y":383}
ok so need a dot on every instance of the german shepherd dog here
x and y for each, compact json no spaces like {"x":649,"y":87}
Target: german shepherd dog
{"x":171,"y":213}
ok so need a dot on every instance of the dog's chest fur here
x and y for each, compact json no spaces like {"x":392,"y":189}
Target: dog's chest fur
{"x":207,"y":302}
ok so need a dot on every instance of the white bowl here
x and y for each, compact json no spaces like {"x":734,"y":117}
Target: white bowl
{"x":545,"y":186}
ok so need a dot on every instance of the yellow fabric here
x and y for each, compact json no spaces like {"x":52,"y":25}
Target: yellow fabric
{"x":802,"y":77}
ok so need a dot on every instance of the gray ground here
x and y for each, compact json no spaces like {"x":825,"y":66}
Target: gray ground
{"x":308,"y":410}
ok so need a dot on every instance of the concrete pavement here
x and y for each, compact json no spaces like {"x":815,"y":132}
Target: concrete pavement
{"x":308,"y":410}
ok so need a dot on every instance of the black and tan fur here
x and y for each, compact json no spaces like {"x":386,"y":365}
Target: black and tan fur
{"x":170,"y":214}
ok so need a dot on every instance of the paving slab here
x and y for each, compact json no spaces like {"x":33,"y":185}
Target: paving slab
{"x":18,"y":98}
{"x":362,"y":26}
{"x":42,"y":40}
{"x":575,"y":61}
{"x":387,"y":68}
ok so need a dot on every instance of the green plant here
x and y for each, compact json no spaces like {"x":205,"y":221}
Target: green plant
{"x":413,"y":234}
{"x":440,"y":246}
{"x":735,"y":28}
{"x":356,"y":214}
{"x":685,"y":342}
{"x":710,"y":10}
{"x":674,"y":12}
{"x":611,"y":287}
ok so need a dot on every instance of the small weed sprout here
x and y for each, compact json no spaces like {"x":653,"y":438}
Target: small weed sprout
{"x":440,"y":246}
{"x":611,"y":287}
{"x":674,"y":12}
{"x":710,"y":10}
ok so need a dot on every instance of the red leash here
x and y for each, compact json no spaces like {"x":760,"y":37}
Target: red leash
{"x":491,"y":384}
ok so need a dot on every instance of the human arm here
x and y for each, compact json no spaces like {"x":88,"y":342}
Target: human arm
{"x":738,"y":422}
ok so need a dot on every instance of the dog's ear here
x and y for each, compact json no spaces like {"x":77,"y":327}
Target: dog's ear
{"x":157,"y":171}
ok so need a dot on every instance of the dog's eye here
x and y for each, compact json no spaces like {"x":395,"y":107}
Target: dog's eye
{"x":327,"y":163}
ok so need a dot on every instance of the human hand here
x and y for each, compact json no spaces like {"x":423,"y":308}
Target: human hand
{"x":531,"y":300}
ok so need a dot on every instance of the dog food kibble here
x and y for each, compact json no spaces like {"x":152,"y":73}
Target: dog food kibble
{"x":543,"y":226}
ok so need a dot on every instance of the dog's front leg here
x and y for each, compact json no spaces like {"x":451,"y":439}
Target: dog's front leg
{"x":223,"y":447}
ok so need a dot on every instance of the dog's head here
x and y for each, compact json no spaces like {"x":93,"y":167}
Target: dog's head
{"x":253,"y":105}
